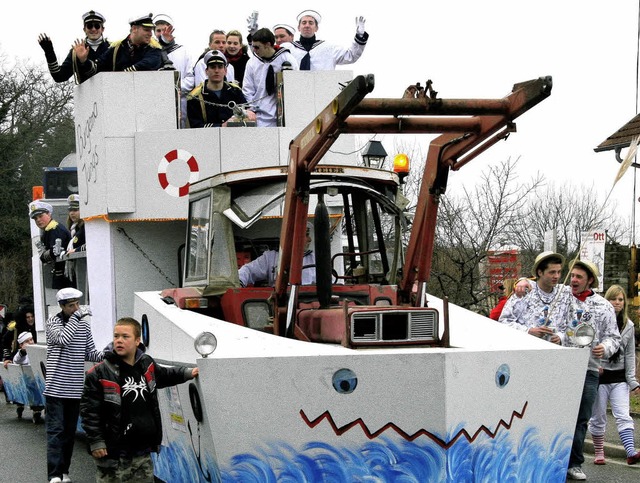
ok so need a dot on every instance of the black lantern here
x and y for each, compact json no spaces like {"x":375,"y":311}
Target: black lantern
{"x":374,"y":155}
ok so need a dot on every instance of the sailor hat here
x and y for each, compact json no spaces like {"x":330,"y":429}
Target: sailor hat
{"x":24,"y":336}
{"x":310,"y":13}
{"x":144,"y":21}
{"x":288,"y":28}
{"x":93,"y":16}
{"x":161,"y":17}
{"x":64,"y":295}
{"x":215,"y":57}
{"x":38,"y":207}
{"x":74,"y":202}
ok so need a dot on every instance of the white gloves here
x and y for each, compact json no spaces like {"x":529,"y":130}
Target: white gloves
{"x":360,"y":25}
{"x":83,"y":311}
{"x":40,"y":247}
{"x":252,"y":22}
{"x":57,"y":248}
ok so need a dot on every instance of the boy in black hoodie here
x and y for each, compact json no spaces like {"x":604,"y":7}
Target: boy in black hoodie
{"x":119,"y":406}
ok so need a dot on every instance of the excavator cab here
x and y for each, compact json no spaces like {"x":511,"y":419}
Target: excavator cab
{"x":358,"y":228}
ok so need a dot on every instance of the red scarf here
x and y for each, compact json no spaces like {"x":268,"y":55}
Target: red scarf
{"x":582,"y":296}
{"x":232,"y":58}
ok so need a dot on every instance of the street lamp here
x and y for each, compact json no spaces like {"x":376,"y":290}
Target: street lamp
{"x":374,"y":155}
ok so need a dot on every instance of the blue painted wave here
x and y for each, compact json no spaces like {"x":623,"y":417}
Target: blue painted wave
{"x":485,"y":460}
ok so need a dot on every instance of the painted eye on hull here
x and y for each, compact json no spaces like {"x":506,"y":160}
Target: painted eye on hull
{"x":345,"y":381}
{"x":503,"y":374}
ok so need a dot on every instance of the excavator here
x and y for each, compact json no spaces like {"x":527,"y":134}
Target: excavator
{"x":370,"y":288}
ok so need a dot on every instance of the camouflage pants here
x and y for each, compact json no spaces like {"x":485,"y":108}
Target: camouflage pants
{"x":136,"y":468}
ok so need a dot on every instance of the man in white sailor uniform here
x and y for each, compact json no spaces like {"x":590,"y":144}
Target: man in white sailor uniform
{"x":314,"y":54}
{"x":259,"y":84}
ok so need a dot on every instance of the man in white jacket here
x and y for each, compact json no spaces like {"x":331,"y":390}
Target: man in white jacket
{"x":177,"y":54}
{"x":313,"y":54}
{"x":265,"y":267}
{"x":259,"y":84}
{"x":593,"y":309}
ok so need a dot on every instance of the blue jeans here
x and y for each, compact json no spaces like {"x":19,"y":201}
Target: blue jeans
{"x":589,"y":393}
{"x":61,"y":416}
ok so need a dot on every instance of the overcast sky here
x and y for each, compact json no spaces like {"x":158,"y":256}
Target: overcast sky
{"x":470,"y":49}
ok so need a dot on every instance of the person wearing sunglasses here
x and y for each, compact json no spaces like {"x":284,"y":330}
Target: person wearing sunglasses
{"x":139,"y":51}
{"x":94,"y":41}
{"x":259,"y":85}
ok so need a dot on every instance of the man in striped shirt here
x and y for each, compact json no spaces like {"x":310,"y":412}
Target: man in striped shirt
{"x":69,"y":344}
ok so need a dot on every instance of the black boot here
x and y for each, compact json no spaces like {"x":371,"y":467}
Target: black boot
{"x":20,"y":410}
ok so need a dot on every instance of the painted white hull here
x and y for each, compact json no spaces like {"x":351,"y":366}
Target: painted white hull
{"x":500,"y":406}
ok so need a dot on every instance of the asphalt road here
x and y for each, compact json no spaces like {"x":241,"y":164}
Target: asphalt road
{"x":23,"y":454}
{"x":23,"y":457}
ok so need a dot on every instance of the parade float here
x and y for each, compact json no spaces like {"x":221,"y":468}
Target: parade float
{"x":362,"y":376}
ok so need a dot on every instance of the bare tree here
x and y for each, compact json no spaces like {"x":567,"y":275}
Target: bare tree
{"x":502,"y":212}
{"x":36,"y":130}
{"x":472,"y":224}
{"x":570,"y":210}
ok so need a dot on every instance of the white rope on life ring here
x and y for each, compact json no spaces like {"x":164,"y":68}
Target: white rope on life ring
{"x":181,"y":154}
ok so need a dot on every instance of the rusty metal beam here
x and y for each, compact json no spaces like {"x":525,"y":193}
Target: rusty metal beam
{"x":409,"y":125}
{"x":444,"y":153}
{"x":440,"y":107}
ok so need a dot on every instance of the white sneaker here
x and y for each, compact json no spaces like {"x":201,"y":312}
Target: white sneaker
{"x":55,"y":479}
{"x":65,"y":478}
{"x":576,"y":473}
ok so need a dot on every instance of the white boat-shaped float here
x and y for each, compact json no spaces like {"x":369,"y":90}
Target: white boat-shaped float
{"x":360,"y":377}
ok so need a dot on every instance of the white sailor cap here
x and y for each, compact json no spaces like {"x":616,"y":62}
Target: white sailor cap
{"x":24,"y":336}
{"x":38,"y":207}
{"x":74,"y":202}
{"x":288,"y":28}
{"x":64,"y":295}
{"x":93,"y":16}
{"x":161,"y":17}
{"x":215,"y":57}
{"x":310,"y":13}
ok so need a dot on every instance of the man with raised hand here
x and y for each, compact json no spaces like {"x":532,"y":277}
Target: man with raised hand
{"x":314,"y":54}
{"x":69,"y":344}
{"x":139,"y":51}
{"x":94,"y":41}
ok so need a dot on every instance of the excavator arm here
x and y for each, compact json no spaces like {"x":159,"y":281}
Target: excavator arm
{"x":467,"y":127}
